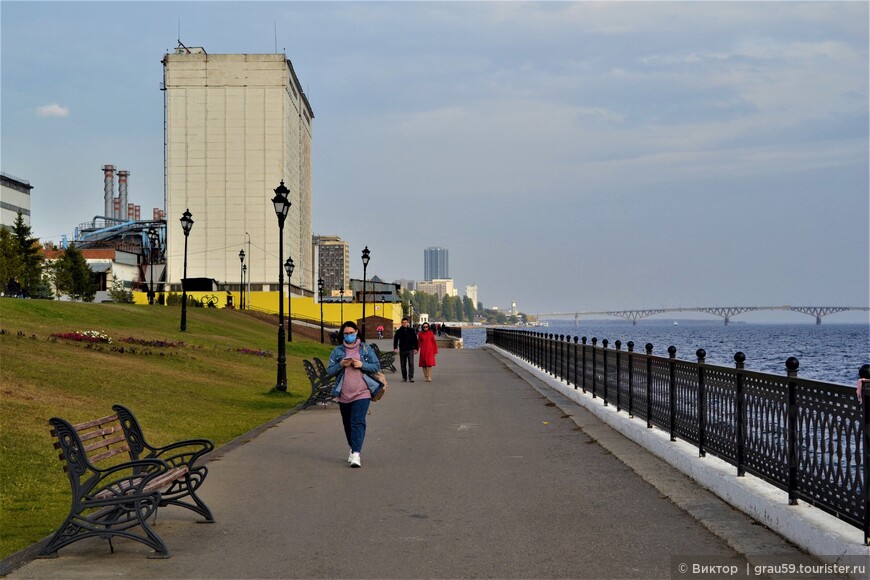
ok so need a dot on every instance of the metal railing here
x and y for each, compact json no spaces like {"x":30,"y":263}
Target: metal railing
{"x":809,"y":438}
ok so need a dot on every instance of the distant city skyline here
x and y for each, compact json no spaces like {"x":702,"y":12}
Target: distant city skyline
{"x":572,"y":155}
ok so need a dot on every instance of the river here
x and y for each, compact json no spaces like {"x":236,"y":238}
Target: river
{"x":827,"y":352}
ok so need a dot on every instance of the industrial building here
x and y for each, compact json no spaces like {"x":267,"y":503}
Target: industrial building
{"x":237,"y":125}
{"x":14,"y":198}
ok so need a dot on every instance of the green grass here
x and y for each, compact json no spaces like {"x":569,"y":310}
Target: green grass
{"x":201,"y":389}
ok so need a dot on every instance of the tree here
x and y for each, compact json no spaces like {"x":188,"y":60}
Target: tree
{"x":29,"y":256}
{"x":73,"y":276}
{"x":10,"y":264}
{"x":468,"y":306}
{"x":119,"y":293}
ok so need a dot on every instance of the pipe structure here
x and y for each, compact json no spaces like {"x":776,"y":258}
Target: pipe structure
{"x":109,"y":190}
{"x":122,"y":194}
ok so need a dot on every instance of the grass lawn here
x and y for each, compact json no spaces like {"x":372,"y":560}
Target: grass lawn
{"x":195,"y":384}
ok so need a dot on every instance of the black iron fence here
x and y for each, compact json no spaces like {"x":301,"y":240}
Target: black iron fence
{"x":809,"y":438}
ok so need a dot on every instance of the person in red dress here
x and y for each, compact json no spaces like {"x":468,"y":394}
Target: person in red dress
{"x":428,"y":349}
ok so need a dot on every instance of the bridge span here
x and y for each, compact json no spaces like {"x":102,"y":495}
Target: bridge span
{"x":725,"y":312}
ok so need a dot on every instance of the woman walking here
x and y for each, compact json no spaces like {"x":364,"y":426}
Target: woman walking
{"x":428,"y":349}
{"x":352,"y":361}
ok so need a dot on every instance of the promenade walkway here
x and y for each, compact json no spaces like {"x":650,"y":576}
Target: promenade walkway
{"x":475,"y":475}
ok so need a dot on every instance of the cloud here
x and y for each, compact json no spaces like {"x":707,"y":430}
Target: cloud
{"x":52,"y":110}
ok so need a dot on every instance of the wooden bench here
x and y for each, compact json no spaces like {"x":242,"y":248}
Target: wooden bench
{"x":321,"y":383}
{"x":113,"y":495}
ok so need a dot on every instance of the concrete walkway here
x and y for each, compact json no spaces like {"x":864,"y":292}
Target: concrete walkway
{"x":475,"y":475}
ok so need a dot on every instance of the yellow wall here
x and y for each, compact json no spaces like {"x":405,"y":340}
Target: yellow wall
{"x":301,"y":306}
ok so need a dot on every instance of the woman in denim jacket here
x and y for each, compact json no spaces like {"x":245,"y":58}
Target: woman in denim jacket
{"x":352,"y":361}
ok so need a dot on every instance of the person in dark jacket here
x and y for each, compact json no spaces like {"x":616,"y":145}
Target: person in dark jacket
{"x":405,"y":343}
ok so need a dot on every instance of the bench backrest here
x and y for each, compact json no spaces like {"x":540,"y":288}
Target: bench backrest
{"x":321,"y":368}
{"x":92,"y":442}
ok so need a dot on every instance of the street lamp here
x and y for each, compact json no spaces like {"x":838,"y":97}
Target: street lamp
{"x":289,"y":266}
{"x":186,"y":225}
{"x":320,"y":294}
{"x":242,"y":285}
{"x":341,"y":300}
{"x":244,"y":277}
{"x":153,"y":241}
{"x":383,"y":307}
{"x":365,"y":261}
{"x":282,"y":208}
{"x":411,"y":311}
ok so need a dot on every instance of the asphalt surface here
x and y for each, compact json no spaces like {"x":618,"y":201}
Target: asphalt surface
{"x":475,"y":475}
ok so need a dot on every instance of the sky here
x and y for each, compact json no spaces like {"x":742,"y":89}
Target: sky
{"x":571,"y":156}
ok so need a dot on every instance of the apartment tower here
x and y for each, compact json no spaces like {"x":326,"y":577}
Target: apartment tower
{"x":236,"y":126}
{"x":435,"y":265}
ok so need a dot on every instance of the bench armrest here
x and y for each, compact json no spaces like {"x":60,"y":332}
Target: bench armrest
{"x":190,"y":451}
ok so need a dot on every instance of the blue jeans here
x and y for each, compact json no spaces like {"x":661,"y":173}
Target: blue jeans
{"x":353,"y":417}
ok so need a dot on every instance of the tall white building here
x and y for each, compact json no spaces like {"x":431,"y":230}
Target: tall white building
{"x":236,"y":125}
{"x":14,"y":198}
{"x":471,"y":292}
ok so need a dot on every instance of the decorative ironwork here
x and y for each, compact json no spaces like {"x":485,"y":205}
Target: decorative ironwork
{"x":808,"y":438}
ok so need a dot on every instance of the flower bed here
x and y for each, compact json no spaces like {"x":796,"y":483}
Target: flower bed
{"x":91,"y":336}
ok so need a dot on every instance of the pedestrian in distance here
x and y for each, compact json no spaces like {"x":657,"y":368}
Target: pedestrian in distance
{"x":352,"y":362}
{"x":405,"y":343}
{"x":428,"y":349}
{"x":380,"y":331}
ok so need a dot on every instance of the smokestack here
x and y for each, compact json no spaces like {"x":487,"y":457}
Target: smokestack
{"x":122,"y":193}
{"x":109,"y":190}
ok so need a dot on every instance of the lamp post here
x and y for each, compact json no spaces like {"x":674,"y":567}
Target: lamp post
{"x":244,"y":277}
{"x":242,"y":284}
{"x":320,"y":294}
{"x":341,"y":300}
{"x":365,"y":261}
{"x":289,"y":266}
{"x":186,"y":225}
{"x":282,"y":208}
{"x":153,"y":241}
{"x":383,"y":307}
{"x":411,"y":311}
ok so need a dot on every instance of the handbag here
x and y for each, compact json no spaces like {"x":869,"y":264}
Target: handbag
{"x":379,"y":394}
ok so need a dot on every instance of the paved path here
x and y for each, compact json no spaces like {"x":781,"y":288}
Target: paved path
{"x":475,"y":475}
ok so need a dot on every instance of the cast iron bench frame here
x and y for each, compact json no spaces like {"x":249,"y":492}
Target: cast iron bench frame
{"x":321,"y":383}
{"x":387,"y":359}
{"x":112,"y":499}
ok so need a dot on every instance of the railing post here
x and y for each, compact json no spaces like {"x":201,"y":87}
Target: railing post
{"x":561,"y":356}
{"x":630,"y":346}
{"x":568,"y":361}
{"x":672,"y":404}
{"x":739,"y":359}
{"x":618,"y":345}
{"x":604,"y":344}
{"x":864,"y":374}
{"x":702,"y":402}
{"x":649,"y":349}
{"x":594,"y":373}
{"x":583,"y":352}
{"x":791,"y":366}
{"x":550,"y":354}
{"x":575,"y":362}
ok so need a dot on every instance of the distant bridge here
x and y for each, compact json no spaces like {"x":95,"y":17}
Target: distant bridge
{"x":725,"y":312}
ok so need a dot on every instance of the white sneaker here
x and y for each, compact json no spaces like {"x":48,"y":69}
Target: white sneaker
{"x":350,"y":456}
{"x":355,"y":460}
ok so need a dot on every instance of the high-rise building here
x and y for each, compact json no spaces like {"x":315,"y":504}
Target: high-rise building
{"x":236,"y":126}
{"x":435,"y":264}
{"x":471,"y":292}
{"x":333,"y":263}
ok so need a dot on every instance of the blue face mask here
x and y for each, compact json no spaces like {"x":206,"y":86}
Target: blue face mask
{"x":349,"y":338}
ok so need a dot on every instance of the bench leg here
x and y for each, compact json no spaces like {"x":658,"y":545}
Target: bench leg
{"x":107,"y":524}
{"x":187,"y":487}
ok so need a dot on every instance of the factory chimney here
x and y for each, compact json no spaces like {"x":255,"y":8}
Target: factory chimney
{"x":109,"y":190}
{"x":122,"y":194}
